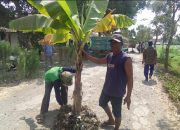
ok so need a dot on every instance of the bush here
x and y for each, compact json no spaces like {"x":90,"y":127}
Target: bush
{"x":174,"y":57}
{"x":171,"y":84}
{"x":28,"y":63}
{"x":67,"y":55}
{"x":4,"y":55}
{"x":4,"y":51}
{"x":161,"y":54}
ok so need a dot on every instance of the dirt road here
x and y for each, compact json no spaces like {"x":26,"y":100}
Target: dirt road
{"x":150,"y":108}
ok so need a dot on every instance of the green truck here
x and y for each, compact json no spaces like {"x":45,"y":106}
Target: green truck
{"x":100,"y":46}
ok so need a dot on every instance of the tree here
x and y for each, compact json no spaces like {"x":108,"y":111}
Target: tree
{"x":158,"y":28}
{"x":12,"y":9}
{"x":5,"y":16}
{"x":18,"y":8}
{"x":62,"y":21}
{"x":143,"y":33}
{"x":167,"y":10}
{"x":126,"y":7}
{"x":132,"y":38}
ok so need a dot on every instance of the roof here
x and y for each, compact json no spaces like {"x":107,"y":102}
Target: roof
{"x":3,"y":29}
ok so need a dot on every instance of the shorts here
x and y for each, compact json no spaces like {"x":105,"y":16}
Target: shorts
{"x":116,"y":103}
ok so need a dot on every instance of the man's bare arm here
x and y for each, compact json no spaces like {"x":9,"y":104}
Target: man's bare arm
{"x":129,"y":73}
{"x":96,"y":60}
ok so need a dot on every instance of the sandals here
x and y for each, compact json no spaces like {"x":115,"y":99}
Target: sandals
{"x":40,"y":118}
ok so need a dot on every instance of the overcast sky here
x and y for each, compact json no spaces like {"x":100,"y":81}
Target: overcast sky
{"x":145,"y":16}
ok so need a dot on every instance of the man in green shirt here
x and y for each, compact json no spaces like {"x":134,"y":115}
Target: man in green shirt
{"x":59,"y":78}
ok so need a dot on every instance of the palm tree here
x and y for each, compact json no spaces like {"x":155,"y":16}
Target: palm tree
{"x":61,"y":21}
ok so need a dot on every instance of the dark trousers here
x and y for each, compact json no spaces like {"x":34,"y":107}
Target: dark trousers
{"x":61,"y":93}
{"x":148,"y":70}
{"x":48,"y":61}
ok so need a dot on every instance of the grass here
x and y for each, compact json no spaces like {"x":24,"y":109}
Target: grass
{"x":171,"y":83}
{"x":174,"y":58}
{"x":170,"y":80}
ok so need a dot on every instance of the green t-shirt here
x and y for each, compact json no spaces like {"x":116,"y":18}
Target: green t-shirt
{"x":53,"y":74}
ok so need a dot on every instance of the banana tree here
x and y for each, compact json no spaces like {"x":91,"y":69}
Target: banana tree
{"x":61,"y":21}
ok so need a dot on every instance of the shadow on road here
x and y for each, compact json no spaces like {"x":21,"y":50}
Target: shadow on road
{"x":47,"y":125}
{"x":50,"y":118}
{"x":110,"y":128}
{"x":151,"y":82}
{"x":165,"y":124}
{"x":30,"y":122}
{"x":107,"y":127}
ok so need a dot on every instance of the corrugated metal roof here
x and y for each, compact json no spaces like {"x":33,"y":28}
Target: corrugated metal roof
{"x":3,"y":29}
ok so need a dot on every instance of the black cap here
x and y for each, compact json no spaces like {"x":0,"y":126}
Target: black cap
{"x":117,"y":38}
{"x":150,"y":43}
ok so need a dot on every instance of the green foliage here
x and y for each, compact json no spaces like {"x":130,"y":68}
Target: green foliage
{"x":126,"y":7}
{"x":5,"y":16}
{"x":4,"y":51}
{"x":161,"y":54}
{"x":143,"y":33}
{"x":9,"y":12}
{"x":176,"y":41}
{"x":166,"y":12}
{"x":66,"y":55}
{"x":174,"y":57}
{"x":171,"y":80}
{"x":28,"y":63}
{"x":171,"y":84}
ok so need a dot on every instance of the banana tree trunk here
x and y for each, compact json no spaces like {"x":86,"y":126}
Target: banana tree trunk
{"x":77,"y":94}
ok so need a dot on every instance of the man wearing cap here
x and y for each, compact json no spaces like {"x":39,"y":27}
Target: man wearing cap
{"x":149,"y":60}
{"x":119,"y":75}
{"x":59,"y":78}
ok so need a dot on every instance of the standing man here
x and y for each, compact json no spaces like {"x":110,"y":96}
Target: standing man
{"x":59,"y":78}
{"x":149,"y":60}
{"x":119,"y":75}
{"x":48,"y":51}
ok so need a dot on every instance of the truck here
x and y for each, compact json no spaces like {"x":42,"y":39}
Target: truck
{"x":100,"y":46}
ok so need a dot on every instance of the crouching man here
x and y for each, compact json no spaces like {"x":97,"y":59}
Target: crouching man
{"x":59,"y":78}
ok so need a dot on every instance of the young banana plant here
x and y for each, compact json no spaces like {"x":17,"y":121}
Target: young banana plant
{"x":60,"y":20}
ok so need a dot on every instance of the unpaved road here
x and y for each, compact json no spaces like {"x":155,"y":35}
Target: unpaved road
{"x":150,"y":108}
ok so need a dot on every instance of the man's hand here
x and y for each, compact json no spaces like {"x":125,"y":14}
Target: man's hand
{"x":128,"y":101}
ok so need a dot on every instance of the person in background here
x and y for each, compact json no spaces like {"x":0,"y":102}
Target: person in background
{"x":48,"y":51}
{"x":119,"y":75}
{"x":59,"y":78}
{"x":149,"y":60}
{"x":139,"y":47}
{"x":142,"y":47}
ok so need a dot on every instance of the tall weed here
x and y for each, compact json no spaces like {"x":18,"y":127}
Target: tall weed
{"x":4,"y":56}
{"x":28,"y":63}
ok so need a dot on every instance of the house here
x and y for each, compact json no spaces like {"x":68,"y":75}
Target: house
{"x":9,"y":35}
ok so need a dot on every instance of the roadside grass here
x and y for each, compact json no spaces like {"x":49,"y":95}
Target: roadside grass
{"x":171,"y":80}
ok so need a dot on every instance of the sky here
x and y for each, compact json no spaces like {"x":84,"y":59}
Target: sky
{"x":144,"y":17}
